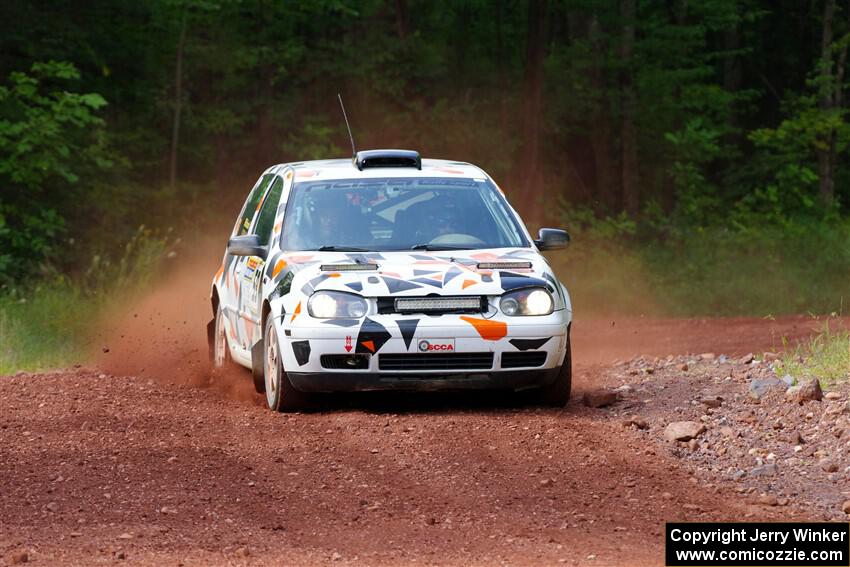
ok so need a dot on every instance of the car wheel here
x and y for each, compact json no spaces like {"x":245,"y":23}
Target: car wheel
{"x":280,"y":394}
{"x":557,"y":394}
{"x":220,"y":351}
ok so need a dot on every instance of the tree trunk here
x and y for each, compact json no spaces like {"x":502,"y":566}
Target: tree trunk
{"x":178,"y":102}
{"x":501,"y":62}
{"x":529,"y":155}
{"x":402,"y":19}
{"x":267,"y":133}
{"x":629,"y":182}
{"x":600,"y":131}
{"x":826,"y":154}
{"x":732,"y":71}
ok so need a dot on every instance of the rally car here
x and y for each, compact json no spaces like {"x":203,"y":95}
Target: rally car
{"x":388,"y":271}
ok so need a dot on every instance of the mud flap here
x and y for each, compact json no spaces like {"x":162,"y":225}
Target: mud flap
{"x":258,"y":351}
{"x":211,"y":339}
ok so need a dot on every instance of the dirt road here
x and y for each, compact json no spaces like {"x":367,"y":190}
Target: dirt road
{"x":135,"y":461}
{"x":98,"y":468}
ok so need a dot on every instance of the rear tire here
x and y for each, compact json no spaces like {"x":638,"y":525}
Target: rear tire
{"x":221,"y":360}
{"x":281,"y":395}
{"x":557,"y":394}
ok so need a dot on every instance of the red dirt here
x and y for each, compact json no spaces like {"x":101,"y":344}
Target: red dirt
{"x":141,"y":465}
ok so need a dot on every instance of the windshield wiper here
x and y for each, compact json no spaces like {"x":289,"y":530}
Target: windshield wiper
{"x":341,"y":249}
{"x":435,"y":247}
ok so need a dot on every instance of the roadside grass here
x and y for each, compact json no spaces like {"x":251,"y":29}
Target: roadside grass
{"x":52,"y":324}
{"x":825,"y":356}
{"x":757,"y":271}
{"x":611,"y":267}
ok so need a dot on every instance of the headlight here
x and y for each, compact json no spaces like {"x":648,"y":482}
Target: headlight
{"x":331,"y":304}
{"x":529,"y":301}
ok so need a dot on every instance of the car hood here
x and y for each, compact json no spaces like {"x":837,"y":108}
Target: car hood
{"x":380,"y":274}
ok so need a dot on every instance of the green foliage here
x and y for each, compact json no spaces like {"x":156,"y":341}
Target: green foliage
{"x":696,"y":147}
{"x":757,"y":270}
{"x":615,"y":265}
{"x":727,"y":115}
{"x":49,"y":138}
{"x":826,"y":356}
{"x":785,"y":168}
{"x":315,"y":140}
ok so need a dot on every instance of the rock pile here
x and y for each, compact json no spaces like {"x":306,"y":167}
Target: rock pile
{"x":742,"y":421}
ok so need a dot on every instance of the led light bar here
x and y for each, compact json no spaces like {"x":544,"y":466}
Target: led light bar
{"x":425,"y":304}
{"x":504,"y":265}
{"x":348,"y":267}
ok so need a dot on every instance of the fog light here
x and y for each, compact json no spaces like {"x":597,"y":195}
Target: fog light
{"x":510,"y":306}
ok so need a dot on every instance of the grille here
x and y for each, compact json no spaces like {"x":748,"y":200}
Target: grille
{"x":523,"y":359}
{"x":437,"y":361}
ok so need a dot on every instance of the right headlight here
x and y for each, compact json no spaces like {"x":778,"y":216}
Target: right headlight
{"x":334,"y":304}
{"x":528,"y":301}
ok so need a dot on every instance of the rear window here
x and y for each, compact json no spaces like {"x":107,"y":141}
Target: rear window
{"x":265,"y":221}
{"x":251,"y":205}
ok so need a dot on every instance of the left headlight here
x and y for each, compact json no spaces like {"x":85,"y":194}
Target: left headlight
{"x":331,"y":304}
{"x":529,"y":301}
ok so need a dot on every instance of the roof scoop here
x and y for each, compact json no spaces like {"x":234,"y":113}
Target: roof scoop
{"x":370,"y":159}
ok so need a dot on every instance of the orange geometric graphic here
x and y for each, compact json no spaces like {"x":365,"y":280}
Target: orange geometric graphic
{"x":485,"y":256}
{"x":369,"y":344}
{"x":281,"y":264}
{"x":296,"y":312}
{"x":467,"y":283}
{"x":489,"y":330}
{"x":300,"y":258}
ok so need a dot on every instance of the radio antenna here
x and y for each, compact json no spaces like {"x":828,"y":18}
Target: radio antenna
{"x":347,"y":125}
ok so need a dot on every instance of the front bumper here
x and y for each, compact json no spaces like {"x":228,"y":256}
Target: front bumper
{"x":305,"y":341}
{"x":365,"y":381}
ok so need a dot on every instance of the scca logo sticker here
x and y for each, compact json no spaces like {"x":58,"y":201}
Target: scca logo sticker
{"x":433,"y":346}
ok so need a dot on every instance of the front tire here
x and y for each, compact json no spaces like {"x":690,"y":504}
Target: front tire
{"x":281,"y":395}
{"x":557,"y":394}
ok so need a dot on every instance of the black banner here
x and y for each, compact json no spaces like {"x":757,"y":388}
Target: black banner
{"x":740,"y":544}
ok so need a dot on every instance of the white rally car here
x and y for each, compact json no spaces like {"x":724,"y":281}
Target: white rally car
{"x":389,"y":271}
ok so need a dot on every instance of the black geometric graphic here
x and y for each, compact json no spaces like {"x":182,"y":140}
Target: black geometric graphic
{"x":301,"y":349}
{"x":407,"y":328}
{"x":529,"y":344}
{"x":453,"y":272}
{"x":511,"y":281}
{"x":428,"y":281}
{"x":341,"y":322}
{"x":356,"y":286}
{"x":396,"y":285}
{"x":372,"y":337}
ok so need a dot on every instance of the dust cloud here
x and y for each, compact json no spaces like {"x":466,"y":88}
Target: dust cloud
{"x":162,"y":334}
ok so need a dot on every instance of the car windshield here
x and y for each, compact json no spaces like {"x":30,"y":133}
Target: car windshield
{"x":385,"y":214}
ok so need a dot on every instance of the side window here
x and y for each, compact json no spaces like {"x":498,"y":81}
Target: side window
{"x":251,"y":206}
{"x":265,"y":221}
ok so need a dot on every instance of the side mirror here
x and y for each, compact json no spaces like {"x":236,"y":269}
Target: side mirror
{"x":246,"y":245}
{"x":552,"y":239}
